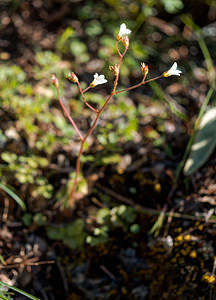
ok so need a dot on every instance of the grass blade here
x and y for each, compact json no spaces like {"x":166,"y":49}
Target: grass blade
{"x":205,"y":51}
{"x":13,"y":196}
{"x":19,"y":291}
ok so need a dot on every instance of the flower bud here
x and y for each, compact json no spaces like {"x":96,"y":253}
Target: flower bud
{"x":125,"y":41}
{"x":55,"y":81}
{"x":144,"y":69}
{"x":115,"y":69}
{"x":72,"y":77}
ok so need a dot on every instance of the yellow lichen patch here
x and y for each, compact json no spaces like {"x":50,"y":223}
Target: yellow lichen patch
{"x":120,"y":171}
{"x":210,"y":278}
{"x":157,"y":187}
{"x":179,"y":229}
{"x":187,"y":237}
{"x":179,"y":238}
{"x":200,"y":227}
{"x":193,"y":254}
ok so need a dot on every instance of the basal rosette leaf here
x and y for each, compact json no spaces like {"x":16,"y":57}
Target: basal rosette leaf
{"x":204,"y":142}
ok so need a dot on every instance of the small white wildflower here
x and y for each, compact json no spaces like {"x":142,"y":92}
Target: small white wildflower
{"x":172,"y":71}
{"x":98,"y":79}
{"x":123,"y":32}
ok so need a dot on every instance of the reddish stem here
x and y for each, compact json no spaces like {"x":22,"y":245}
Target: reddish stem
{"x":139,"y":84}
{"x":119,"y":53}
{"x":83,"y":98}
{"x":85,"y":90}
{"x":98,"y":115}
{"x":68,"y":115}
{"x":155,"y":78}
{"x":89,"y":133}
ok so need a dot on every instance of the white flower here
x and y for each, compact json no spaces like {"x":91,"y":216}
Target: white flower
{"x":172,"y":71}
{"x":123,"y":32}
{"x":98,"y":79}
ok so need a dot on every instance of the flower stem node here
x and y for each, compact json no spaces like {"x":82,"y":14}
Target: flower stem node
{"x":123,"y":32}
{"x":98,"y":79}
{"x":72,"y":77}
{"x":55,"y":81}
{"x":172,"y":71}
{"x":115,"y":69}
{"x":144,"y":69}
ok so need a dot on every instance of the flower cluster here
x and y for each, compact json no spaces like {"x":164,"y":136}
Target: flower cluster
{"x":123,"y":38}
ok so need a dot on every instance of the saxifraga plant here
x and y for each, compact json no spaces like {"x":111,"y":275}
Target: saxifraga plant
{"x":122,"y":37}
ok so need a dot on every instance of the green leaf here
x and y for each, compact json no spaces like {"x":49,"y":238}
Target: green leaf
{"x":27,"y":219}
{"x":204,"y":142}
{"x":103,"y":215}
{"x":172,"y":6}
{"x":72,"y":235}
{"x":135,"y":228}
{"x":13,"y":196}
{"x":158,"y":224}
{"x":19,"y":291}
{"x":66,"y":35}
{"x":94,"y":28}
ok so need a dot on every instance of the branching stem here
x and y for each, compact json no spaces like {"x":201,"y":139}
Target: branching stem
{"x":98,"y":113}
{"x":84,"y":100}
{"x":68,"y":115}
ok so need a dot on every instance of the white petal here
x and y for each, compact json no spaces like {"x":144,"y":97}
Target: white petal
{"x":174,"y":66}
{"x":122,"y":27}
{"x":98,"y":79}
{"x":124,"y":31}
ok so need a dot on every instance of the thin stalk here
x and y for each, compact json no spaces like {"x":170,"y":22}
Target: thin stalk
{"x":139,"y":84}
{"x":83,"y":98}
{"x":208,"y":60}
{"x":88,"y":88}
{"x":68,"y":115}
{"x":119,"y":53}
{"x":203,"y":46}
{"x":90,"y":132}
